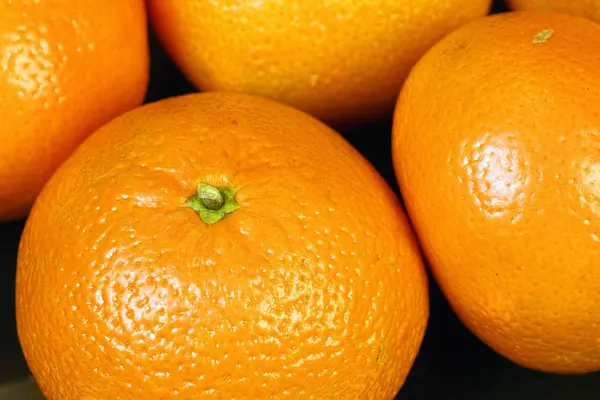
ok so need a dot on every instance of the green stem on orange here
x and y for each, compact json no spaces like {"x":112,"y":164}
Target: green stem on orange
{"x":211,"y":203}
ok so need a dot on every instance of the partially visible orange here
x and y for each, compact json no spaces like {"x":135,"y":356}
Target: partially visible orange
{"x":497,"y":151}
{"x":66,"y":67}
{"x":342,"y":61}
{"x":313,"y":288}
{"x":583,"y":8}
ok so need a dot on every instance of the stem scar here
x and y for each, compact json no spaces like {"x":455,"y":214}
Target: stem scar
{"x":543,"y":36}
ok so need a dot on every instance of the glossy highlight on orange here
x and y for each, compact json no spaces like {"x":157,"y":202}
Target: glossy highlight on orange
{"x":66,"y":68}
{"x":131,"y":284}
{"x":497,"y":151}
{"x":341,"y":61}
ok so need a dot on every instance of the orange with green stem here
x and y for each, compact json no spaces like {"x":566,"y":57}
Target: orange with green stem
{"x":219,"y":245}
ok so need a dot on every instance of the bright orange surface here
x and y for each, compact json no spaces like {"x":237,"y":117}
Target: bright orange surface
{"x":497,"y":150}
{"x":66,"y":67}
{"x":342,"y":61}
{"x":314,"y":288}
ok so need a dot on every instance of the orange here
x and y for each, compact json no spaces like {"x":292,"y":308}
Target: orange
{"x":497,"y":151}
{"x":308,"y":284}
{"x":66,"y":67}
{"x":342,"y":61}
{"x":583,"y":8}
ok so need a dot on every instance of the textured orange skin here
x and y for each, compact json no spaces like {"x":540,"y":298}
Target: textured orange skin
{"x":66,"y":67}
{"x":583,"y":8}
{"x":340,"y":60}
{"x":497,"y":150}
{"x":313,"y":289}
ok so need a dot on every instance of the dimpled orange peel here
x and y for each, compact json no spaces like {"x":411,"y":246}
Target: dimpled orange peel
{"x":497,"y":152}
{"x":66,"y":68}
{"x":342,"y":61}
{"x":219,"y":246}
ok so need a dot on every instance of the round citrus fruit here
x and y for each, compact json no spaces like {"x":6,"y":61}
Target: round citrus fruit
{"x":219,"y":246}
{"x":584,"y":8}
{"x":342,"y":61}
{"x":66,"y":68}
{"x":497,"y":151}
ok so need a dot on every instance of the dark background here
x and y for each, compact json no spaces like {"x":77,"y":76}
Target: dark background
{"x":452,"y":364}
